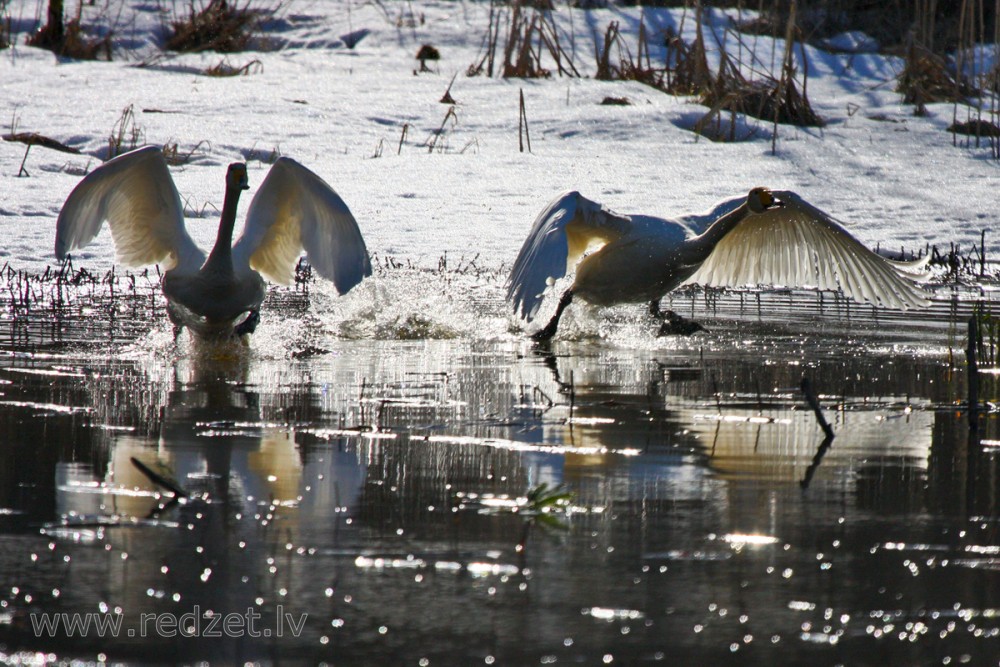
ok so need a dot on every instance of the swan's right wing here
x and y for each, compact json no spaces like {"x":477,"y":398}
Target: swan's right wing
{"x":562,"y":233}
{"x":796,"y":244}
{"x":136,"y":195}
{"x":295,"y":209}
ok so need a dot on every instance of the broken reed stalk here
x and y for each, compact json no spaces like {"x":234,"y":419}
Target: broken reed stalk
{"x":433,"y":141}
{"x":603,"y":57}
{"x":402,"y":138}
{"x":22,"y":172}
{"x":807,"y":389}
{"x":522,"y":125}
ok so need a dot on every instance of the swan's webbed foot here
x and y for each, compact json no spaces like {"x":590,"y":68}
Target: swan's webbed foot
{"x":675,"y":325}
{"x":249,"y":325}
{"x":672,"y":324}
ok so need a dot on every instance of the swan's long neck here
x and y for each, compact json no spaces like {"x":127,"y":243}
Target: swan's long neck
{"x":698,"y":248}
{"x":221,"y":257}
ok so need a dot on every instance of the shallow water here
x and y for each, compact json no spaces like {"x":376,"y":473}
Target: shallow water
{"x":362,"y":501}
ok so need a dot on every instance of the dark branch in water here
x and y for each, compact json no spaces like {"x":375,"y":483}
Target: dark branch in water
{"x":158,"y":479}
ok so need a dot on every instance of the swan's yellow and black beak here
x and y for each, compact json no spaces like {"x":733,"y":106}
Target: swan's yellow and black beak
{"x":761,"y":199}
{"x":237,"y":177}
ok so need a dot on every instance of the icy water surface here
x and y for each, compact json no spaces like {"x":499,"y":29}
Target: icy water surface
{"x":365,"y":502}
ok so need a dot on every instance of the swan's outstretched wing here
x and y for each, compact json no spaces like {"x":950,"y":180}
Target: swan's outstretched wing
{"x":136,"y":195}
{"x":557,"y":241}
{"x":797,"y":245}
{"x":294,"y":209}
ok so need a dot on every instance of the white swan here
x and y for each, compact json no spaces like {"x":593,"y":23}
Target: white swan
{"x":294,"y":209}
{"x":765,"y":238}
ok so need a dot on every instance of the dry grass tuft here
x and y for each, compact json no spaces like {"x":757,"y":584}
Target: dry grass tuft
{"x":126,"y":135}
{"x":767,"y":98}
{"x":531,"y":33}
{"x":975,"y":128}
{"x":638,"y":68}
{"x":68,"y":39}
{"x":223,"y":68}
{"x":776,"y":99}
{"x":217,"y":26}
{"x":926,"y":79}
{"x":174,"y":156}
{"x":690,"y":74}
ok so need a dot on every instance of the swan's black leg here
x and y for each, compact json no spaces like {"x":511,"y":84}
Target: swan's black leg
{"x":176,"y":322}
{"x":249,"y":325}
{"x":654,"y":309}
{"x":546,"y":333}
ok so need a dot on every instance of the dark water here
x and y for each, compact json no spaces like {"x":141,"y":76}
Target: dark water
{"x":364,"y":504}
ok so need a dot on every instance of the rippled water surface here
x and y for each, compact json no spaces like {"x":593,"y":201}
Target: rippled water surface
{"x":366,"y":501}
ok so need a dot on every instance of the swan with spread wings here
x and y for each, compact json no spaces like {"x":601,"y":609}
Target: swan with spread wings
{"x":219,"y":295}
{"x":773,"y":238}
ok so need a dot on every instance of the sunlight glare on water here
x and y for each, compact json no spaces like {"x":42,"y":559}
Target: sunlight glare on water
{"x":394,"y":492}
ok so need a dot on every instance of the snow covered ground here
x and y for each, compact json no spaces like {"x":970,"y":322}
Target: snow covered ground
{"x":363,"y":118}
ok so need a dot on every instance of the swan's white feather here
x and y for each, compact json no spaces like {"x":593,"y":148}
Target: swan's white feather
{"x":797,"y":245}
{"x":135,"y":194}
{"x":294,"y":209}
{"x":559,"y":237}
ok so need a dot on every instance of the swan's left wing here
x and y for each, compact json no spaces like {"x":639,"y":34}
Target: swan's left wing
{"x":295,"y":209}
{"x":797,"y":245}
{"x":562,"y":232}
{"x":135,"y":194}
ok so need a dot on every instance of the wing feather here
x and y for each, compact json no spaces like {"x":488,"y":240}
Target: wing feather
{"x":559,"y":237}
{"x":295,"y":209}
{"x":135,"y":194}
{"x":797,"y":245}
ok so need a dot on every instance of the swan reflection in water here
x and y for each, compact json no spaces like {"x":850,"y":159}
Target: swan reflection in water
{"x":640,"y":426}
{"x":246,"y":480}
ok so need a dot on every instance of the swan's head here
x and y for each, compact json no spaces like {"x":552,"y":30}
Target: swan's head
{"x":760,"y":199}
{"x":236,"y":177}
